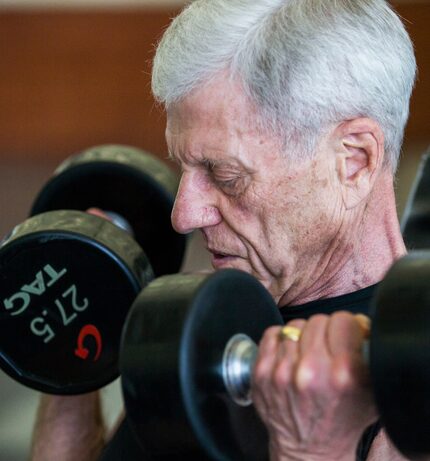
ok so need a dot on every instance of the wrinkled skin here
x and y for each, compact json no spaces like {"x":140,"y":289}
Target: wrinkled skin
{"x":307,"y":229}
{"x":314,"y":395}
{"x":295,"y":226}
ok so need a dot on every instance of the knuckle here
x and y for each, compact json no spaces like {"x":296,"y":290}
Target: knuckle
{"x":320,"y":317}
{"x":343,"y":379}
{"x":273,"y":330}
{"x":260,"y":373}
{"x":343,"y":317}
{"x":306,"y":374}
{"x":298,"y":323}
{"x":270,"y":332}
{"x":281,"y":375}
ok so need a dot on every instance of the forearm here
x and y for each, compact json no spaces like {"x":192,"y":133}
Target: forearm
{"x":68,"y":428}
{"x":383,"y":450}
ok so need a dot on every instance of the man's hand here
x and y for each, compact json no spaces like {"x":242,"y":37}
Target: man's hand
{"x":313,"y":394}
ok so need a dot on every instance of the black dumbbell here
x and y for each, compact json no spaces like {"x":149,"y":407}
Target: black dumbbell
{"x":126,"y":181}
{"x":189,"y":345}
{"x":416,"y":216}
{"x":171,"y":355}
{"x":68,"y":278}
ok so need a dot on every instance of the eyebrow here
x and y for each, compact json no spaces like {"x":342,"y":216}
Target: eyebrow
{"x":205,"y":161}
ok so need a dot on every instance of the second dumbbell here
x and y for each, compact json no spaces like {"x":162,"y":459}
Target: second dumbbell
{"x":68,"y":278}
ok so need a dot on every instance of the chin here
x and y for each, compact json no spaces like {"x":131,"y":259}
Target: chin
{"x":227,"y":262}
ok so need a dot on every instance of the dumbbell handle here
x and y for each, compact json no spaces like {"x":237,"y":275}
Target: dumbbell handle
{"x":119,"y":221}
{"x":238,"y":363}
{"x":114,"y":218}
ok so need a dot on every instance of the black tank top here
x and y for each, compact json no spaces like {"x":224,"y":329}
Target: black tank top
{"x":358,"y":302}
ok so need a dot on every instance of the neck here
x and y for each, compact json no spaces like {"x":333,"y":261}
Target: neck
{"x":366,"y":252}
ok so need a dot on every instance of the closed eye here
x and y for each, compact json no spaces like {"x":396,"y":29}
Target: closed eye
{"x":228,"y":184}
{"x":227,"y":178}
{"x":232,"y":185}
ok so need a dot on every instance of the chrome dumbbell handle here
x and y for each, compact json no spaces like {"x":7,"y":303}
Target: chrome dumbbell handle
{"x":238,"y":363}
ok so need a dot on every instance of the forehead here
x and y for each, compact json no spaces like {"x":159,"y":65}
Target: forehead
{"x":218,"y":111}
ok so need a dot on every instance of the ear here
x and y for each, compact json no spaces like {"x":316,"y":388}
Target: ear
{"x":359,"y":156}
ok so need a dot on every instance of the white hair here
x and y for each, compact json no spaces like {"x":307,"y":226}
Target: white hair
{"x":305,"y":64}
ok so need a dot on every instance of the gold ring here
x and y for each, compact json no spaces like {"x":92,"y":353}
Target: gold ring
{"x":290,"y":332}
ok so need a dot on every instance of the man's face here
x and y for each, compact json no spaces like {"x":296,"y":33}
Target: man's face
{"x":257,"y":211}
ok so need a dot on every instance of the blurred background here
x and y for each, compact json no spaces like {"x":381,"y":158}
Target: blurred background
{"x":76,"y":73}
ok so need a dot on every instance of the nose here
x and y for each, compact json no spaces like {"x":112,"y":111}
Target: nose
{"x":195,"y":205}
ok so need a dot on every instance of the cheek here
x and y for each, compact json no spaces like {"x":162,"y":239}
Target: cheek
{"x":245,"y":208}
{"x":302,"y":216}
{"x":267,"y":223}
{"x":314,"y":225}
{"x":247,"y":218}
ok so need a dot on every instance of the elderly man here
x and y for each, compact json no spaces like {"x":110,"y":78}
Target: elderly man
{"x":286,"y":118}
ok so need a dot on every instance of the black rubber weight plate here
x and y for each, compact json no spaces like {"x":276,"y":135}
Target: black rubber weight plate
{"x":171,"y":358}
{"x":400,"y":353}
{"x":125,"y":183}
{"x":63,"y":289}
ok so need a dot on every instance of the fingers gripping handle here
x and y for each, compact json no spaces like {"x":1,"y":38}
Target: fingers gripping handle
{"x":238,"y":363}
